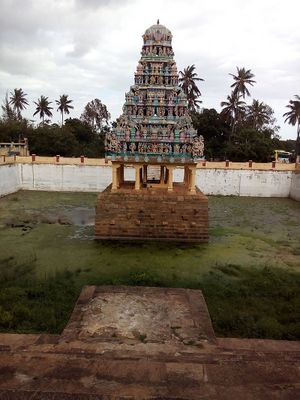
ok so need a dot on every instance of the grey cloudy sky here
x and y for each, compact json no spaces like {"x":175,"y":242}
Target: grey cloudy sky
{"x":90,"y":48}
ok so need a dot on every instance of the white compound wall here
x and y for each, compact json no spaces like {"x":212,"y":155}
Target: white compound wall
{"x":233,"y":182}
{"x":295,"y":186}
{"x":74,"y":178}
{"x":9,"y":179}
{"x":86,"y":178}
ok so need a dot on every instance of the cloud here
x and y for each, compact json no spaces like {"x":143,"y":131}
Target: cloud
{"x":94,"y":4}
{"x":90,"y":48}
{"x":81,"y":46}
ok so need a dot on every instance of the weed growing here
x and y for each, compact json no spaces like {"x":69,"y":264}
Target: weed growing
{"x":249,"y":272}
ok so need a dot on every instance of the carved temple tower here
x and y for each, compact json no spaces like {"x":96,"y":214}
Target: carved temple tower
{"x":154,"y":135}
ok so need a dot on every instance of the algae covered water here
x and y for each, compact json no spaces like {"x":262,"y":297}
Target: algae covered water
{"x":249,"y":271}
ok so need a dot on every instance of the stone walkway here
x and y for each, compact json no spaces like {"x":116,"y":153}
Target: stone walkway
{"x":145,"y":343}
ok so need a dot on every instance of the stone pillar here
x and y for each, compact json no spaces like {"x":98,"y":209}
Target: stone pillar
{"x":166,"y":175}
{"x":162,"y":175}
{"x":145,"y":174}
{"x":192,"y":181}
{"x":120,"y":175}
{"x":186,"y":176}
{"x":170,"y":179}
{"x":137,"y":184}
{"x":115,"y":180}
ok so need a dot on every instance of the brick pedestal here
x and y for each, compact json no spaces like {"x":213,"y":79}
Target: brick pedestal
{"x":152,"y":214}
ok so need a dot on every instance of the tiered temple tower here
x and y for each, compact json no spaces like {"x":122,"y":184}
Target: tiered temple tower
{"x":154,"y":135}
{"x":155,"y":127}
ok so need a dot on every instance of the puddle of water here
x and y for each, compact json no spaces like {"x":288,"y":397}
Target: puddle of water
{"x":77,"y":216}
{"x":80,"y":216}
{"x":83,"y":233}
{"x":83,"y":218}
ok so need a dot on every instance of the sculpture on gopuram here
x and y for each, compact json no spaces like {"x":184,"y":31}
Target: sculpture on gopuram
{"x":155,"y":122}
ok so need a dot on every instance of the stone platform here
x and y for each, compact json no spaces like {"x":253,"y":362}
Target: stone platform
{"x":145,"y":343}
{"x":152,"y":214}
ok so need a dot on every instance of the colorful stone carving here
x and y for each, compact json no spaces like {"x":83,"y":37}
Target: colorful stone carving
{"x":155,"y":120}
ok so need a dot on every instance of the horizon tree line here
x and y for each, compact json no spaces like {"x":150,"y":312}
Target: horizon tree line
{"x":19,"y":103}
{"x":248,"y":122}
{"x":235,"y":109}
{"x":94,"y":113}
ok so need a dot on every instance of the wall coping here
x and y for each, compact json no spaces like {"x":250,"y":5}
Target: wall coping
{"x":224,"y":165}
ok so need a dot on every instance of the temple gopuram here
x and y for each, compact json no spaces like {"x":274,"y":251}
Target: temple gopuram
{"x":155,"y":137}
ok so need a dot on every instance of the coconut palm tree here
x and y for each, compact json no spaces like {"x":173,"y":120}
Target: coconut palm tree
{"x":293,"y":118}
{"x":242,"y":79}
{"x":43,"y":108}
{"x":64,"y":106}
{"x":18,"y":101}
{"x":233,"y":110}
{"x":187,"y":81}
{"x":259,"y":114}
{"x":193,"y":103}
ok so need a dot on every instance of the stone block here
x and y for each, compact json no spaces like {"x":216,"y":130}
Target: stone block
{"x":143,"y":215}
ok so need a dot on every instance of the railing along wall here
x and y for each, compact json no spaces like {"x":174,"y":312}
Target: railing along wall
{"x":34,"y":159}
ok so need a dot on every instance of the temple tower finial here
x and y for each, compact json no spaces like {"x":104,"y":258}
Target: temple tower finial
{"x":158,"y":21}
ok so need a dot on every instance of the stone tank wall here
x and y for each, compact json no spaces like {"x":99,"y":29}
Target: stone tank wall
{"x":89,"y":178}
{"x":295,"y":186}
{"x":9,"y":179}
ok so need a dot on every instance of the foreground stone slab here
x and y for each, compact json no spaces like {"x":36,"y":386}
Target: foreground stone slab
{"x":145,"y":343}
{"x":135,"y":315}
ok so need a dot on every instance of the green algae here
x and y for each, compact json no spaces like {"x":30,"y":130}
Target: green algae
{"x":46,"y":243}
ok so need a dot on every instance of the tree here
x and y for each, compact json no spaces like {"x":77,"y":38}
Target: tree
{"x":250,"y":144}
{"x":288,"y":145}
{"x":293,"y":118}
{"x":64,"y":106}
{"x":81,"y":130}
{"x":8,"y":113}
{"x":43,"y":108}
{"x":260,"y":115}
{"x":233,"y":110}
{"x":89,"y":142}
{"x":193,"y":103}
{"x":18,"y":101}
{"x":95,"y":114}
{"x":49,"y":140}
{"x":14,"y":130}
{"x":215,"y":131}
{"x":242,"y":79}
{"x":187,"y":82}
